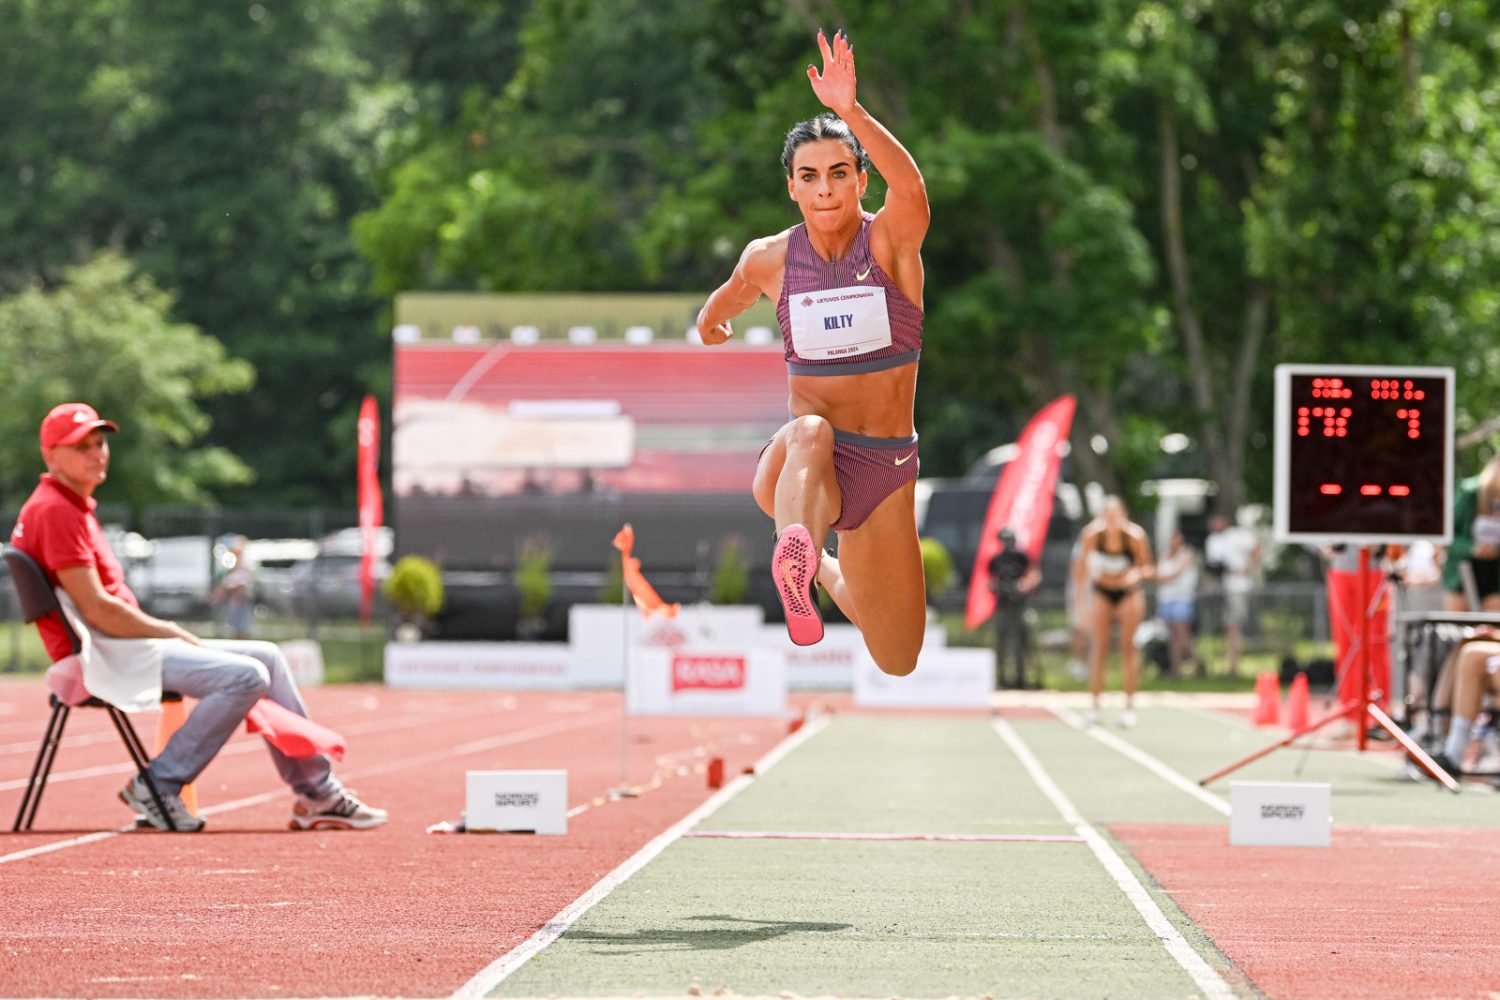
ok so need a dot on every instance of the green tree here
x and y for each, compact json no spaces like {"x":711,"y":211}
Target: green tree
{"x":106,"y":336}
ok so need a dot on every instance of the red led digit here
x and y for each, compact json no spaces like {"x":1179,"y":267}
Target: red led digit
{"x":1399,"y":491}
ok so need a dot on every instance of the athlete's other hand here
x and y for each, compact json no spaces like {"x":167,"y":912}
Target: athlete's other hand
{"x":715,"y":335}
{"x":835,"y":85}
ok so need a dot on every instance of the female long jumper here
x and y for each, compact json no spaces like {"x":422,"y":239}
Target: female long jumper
{"x":848,"y":289}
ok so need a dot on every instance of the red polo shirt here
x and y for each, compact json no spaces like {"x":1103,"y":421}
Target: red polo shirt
{"x":57,"y":528}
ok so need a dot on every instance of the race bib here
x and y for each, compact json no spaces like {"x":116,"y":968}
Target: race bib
{"x":839,"y":322}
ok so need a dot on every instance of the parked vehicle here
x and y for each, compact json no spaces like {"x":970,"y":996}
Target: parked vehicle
{"x":327,"y":586}
{"x":176,"y":579}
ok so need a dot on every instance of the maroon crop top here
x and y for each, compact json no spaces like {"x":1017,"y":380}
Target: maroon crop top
{"x":844,"y":317}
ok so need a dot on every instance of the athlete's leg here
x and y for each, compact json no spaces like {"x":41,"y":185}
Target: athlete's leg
{"x":1132,"y":610}
{"x":831,"y":576}
{"x":795,"y":482}
{"x":1102,"y":610}
{"x":881,"y":571}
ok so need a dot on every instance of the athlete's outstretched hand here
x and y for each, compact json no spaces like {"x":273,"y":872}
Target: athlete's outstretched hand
{"x":835,"y":85}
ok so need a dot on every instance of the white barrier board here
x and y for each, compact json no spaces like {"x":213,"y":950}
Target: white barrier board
{"x":597,"y":634}
{"x":479,"y":666}
{"x":944,"y":678}
{"x":304,"y":657}
{"x":516,"y":802}
{"x":706,"y":681}
{"x":829,"y":665}
{"x":1280,"y":814}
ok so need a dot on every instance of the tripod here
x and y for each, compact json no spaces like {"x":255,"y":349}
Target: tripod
{"x":1362,"y":710}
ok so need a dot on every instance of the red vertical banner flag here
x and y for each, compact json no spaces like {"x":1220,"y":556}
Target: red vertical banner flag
{"x":1022,"y":500}
{"x":371,"y":506}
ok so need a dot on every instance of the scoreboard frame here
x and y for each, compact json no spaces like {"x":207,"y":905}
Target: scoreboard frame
{"x":1363,"y":521}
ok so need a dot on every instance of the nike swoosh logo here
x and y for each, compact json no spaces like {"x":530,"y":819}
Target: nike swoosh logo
{"x":903,"y":461}
{"x":861,"y":277}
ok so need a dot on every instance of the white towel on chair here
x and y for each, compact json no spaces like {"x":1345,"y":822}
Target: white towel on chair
{"x":126,"y":673}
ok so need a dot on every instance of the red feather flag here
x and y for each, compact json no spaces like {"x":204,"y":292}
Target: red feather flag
{"x":371,"y":505}
{"x":1022,"y":500}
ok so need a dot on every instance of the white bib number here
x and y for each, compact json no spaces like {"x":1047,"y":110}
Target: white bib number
{"x":839,"y":322}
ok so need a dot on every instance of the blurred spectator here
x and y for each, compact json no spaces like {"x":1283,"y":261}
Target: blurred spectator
{"x":236,"y":591}
{"x":1475,"y":668}
{"x":1012,"y":579}
{"x":1176,"y":600}
{"x":1118,"y":558}
{"x":1232,"y":556}
{"x":1077,"y":596}
{"x":1471,"y":570}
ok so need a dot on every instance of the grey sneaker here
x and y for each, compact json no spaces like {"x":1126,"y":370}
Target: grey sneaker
{"x":342,"y":810}
{"x":137,"y":795}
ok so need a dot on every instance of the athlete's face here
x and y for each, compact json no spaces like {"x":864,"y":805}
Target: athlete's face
{"x":81,"y":466}
{"x":826,"y":183}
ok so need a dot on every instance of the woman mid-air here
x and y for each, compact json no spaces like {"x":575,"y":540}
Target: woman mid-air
{"x":848,"y":289}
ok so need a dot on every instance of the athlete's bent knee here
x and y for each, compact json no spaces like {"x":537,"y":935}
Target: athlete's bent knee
{"x":810,"y":433}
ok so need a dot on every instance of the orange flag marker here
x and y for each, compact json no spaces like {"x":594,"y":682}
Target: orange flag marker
{"x":645,"y":595}
{"x":173,"y":715}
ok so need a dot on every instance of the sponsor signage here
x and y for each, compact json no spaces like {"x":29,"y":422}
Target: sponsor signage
{"x":304,"y":657}
{"x":479,"y":666}
{"x":1280,"y":814}
{"x":516,"y":802}
{"x":696,"y":672}
{"x":944,"y":678}
{"x":829,"y":665}
{"x":597,"y":634}
{"x":705,"y":681}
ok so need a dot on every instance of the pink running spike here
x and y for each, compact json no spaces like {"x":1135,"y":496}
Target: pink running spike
{"x":794,"y":567}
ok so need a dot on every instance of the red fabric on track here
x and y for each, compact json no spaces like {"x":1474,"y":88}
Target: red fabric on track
{"x":1389,"y":912}
{"x":248,"y":908}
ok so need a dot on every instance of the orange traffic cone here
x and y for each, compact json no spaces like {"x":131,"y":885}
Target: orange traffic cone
{"x":1296,"y":703}
{"x":716,"y":772}
{"x":1267,"y":699}
{"x":173,"y":715}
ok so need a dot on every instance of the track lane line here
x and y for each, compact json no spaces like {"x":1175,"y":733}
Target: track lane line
{"x":1203,"y":975}
{"x":497,"y":971}
{"x":1162,"y":770}
{"x":475,"y":746}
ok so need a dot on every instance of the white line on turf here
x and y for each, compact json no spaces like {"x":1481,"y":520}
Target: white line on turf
{"x":1386,"y":760}
{"x":493,"y":974}
{"x":1207,"y":980}
{"x":1141,"y":757}
{"x":475,"y":746}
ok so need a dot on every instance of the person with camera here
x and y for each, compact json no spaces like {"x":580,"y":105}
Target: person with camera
{"x":1012,"y":580}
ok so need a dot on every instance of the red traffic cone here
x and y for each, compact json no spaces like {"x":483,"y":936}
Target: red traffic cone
{"x":716,"y":772}
{"x":1296,"y":703}
{"x":1267,"y":699}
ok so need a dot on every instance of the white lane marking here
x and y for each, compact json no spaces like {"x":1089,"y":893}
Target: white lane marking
{"x":477,"y":746}
{"x":1141,"y":757}
{"x":496,"y":972}
{"x":1206,"y":978}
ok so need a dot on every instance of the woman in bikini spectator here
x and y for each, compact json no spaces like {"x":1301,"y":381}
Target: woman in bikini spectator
{"x":1117,"y":557}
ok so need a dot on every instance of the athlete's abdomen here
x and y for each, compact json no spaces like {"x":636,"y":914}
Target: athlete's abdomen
{"x":876,"y":404}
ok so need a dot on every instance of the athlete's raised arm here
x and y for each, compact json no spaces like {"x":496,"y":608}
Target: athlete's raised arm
{"x":905,"y":215}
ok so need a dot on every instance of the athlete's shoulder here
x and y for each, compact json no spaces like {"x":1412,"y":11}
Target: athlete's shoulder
{"x":765,"y":257}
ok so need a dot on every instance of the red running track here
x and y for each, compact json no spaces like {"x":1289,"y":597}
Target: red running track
{"x":248,"y":908}
{"x":1387,"y":912}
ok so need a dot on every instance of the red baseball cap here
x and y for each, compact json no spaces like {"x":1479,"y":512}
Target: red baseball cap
{"x":69,"y":423}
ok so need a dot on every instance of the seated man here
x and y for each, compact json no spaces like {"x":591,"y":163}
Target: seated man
{"x":57,"y":528}
{"x":1474,"y":669}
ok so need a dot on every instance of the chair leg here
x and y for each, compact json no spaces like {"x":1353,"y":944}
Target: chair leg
{"x":137,"y":751}
{"x":42,"y":768}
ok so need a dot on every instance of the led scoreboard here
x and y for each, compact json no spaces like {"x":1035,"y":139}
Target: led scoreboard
{"x":1364,"y":455}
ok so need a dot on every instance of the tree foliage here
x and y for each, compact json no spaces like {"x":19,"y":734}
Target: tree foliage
{"x":104,"y":336}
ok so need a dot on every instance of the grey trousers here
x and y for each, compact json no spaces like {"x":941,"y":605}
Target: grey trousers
{"x":227,"y":677}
